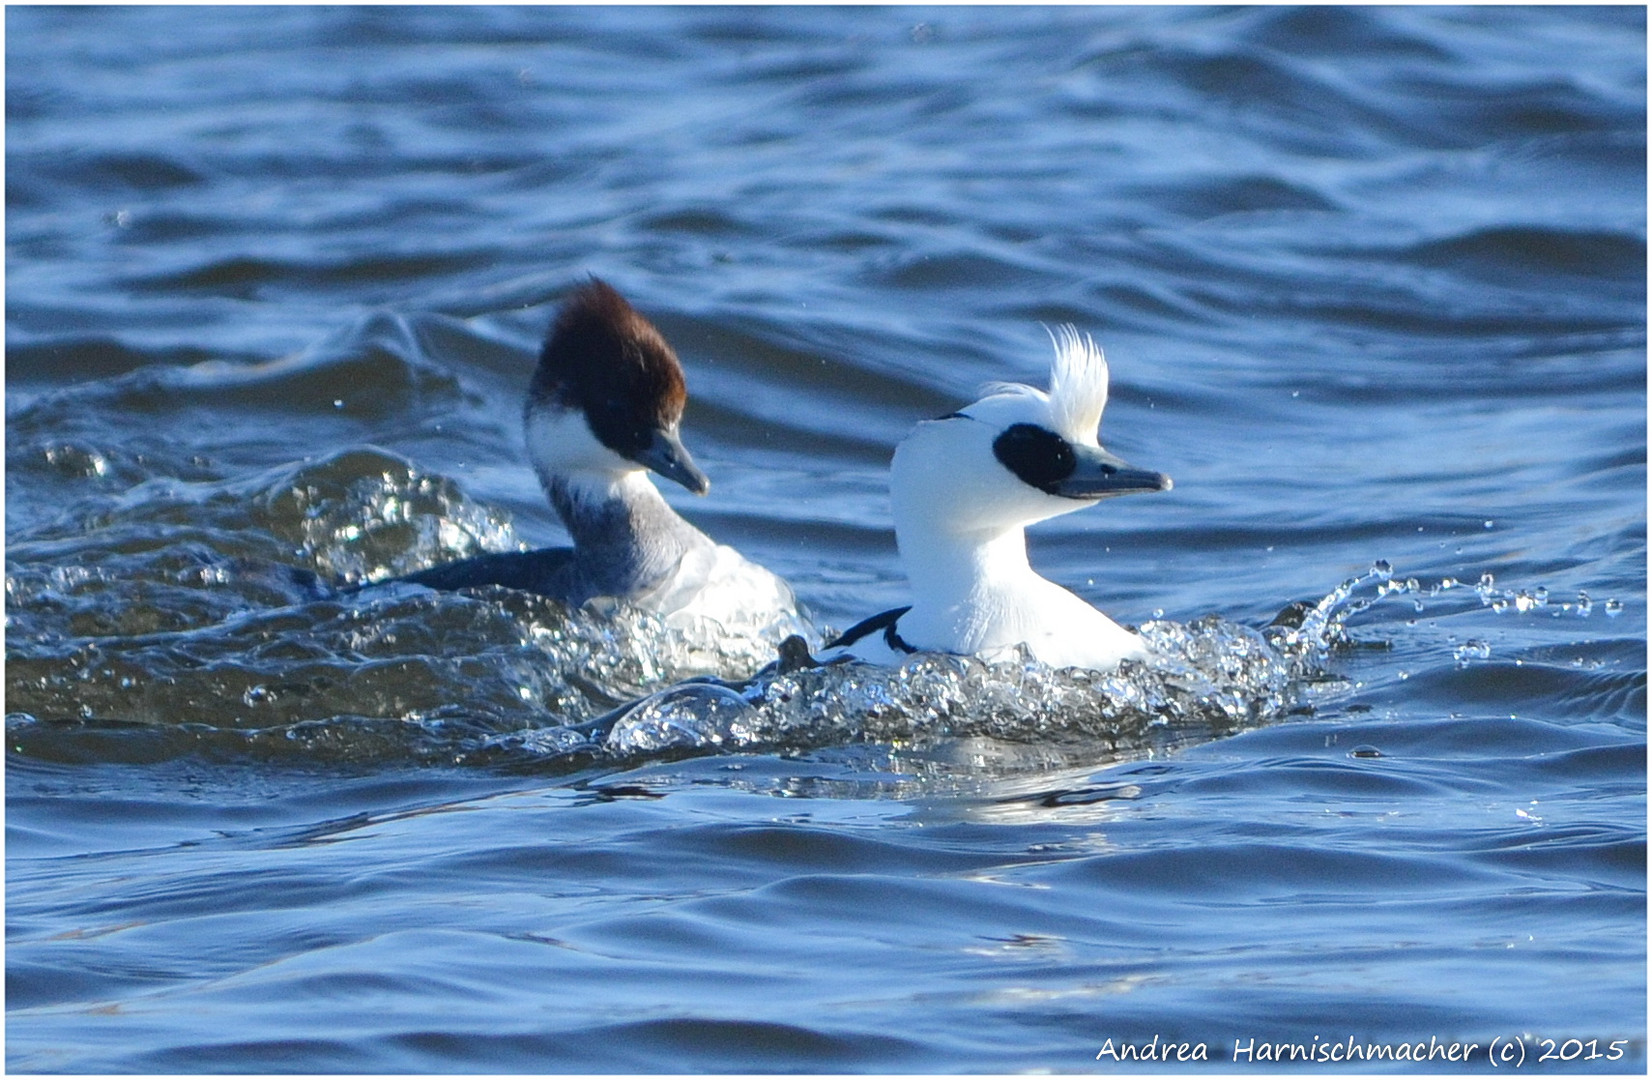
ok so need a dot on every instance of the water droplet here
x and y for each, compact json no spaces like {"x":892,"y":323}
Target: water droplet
{"x":1489,"y":524}
{"x":1472,"y":649}
{"x":1614,"y":608}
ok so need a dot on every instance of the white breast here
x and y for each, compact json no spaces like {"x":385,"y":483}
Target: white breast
{"x":717,"y":583}
{"x":1057,"y":627}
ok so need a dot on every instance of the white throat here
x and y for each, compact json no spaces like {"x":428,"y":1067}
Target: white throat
{"x":976,"y":594}
{"x":563,"y":448}
{"x":951,"y":570}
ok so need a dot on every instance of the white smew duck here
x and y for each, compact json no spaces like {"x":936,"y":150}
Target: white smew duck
{"x":965,"y":487}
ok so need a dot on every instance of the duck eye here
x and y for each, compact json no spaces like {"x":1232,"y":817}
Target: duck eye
{"x":1036,"y":455}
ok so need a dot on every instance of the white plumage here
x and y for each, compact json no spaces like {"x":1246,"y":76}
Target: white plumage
{"x":964,"y":488}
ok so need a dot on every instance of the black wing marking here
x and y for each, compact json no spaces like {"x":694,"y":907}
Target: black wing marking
{"x":884,"y":621}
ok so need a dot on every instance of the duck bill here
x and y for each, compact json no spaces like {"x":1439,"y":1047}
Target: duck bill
{"x":1100,"y":475}
{"x":667,"y":456}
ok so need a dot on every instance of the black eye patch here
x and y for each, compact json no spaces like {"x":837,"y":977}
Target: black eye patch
{"x":1036,"y":454}
{"x":621,"y":424}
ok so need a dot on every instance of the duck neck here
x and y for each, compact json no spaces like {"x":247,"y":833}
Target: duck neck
{"x":960,"y":568}
{"x":626,"y":536}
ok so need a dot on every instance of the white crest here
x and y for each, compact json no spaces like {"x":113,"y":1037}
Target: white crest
{"x":1078,"y":384}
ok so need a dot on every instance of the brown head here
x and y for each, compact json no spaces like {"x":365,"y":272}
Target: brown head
{"x":603,"y":360}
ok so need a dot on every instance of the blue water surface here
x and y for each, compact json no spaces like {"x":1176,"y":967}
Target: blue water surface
{"x":1372,"y":282}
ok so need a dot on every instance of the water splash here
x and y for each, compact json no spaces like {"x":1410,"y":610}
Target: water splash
{"x":1206,"y":678}
{"x":224,"y":610}
{"x":1211,"y":674}
{"x":502,"y":678}
{"x":349,"y":517}
{"x":365,"y":515}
